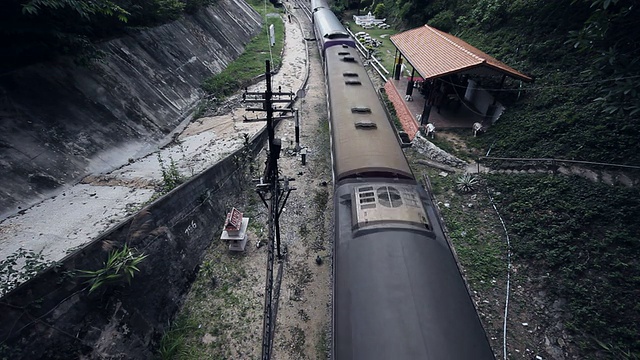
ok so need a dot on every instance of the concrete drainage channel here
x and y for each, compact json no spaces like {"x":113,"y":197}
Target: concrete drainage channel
{"x":54,"y":316}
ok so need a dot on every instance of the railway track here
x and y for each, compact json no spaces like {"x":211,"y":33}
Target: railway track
{"x":304,"y":7}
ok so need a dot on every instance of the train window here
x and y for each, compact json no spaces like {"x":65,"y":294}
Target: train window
{"x":350,"y":74}
{"x":349,"y":59}
{"x":352,"y":82}
{"x":343,"y":53}
{"x":336,"y":35}
{"x":361,"y":110}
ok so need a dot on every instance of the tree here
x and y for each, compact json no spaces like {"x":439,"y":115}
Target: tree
{"x":610,"y":38}
{"x":85,"y":8}
{"x":380,"y":11}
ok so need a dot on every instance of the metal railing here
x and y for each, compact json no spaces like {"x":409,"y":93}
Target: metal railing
{"x":553,"y":161}
{"x":369,"y":59}
{"x":379,"y":64}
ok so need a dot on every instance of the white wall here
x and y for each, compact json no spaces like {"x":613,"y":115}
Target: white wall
{"x":482,"y":100}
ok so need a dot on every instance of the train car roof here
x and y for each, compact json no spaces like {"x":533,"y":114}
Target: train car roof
{"x":398,"y":294}
{"x":363,"y":139}
{"x":328,"y":25}
{"x":316,"y":4}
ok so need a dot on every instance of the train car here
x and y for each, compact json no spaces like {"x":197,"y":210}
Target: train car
{"x":317,"y":4}
{"x":397,"y":290}
{"x":362,"y":137}
{"x":398,"y":293}
{"x":329,"y":31}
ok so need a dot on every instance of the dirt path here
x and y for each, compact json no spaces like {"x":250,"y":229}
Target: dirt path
{"x":304,"y":318}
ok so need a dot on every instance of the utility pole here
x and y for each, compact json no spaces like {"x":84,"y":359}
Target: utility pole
{"x":278,"y":190}
{"x":259,"y":98}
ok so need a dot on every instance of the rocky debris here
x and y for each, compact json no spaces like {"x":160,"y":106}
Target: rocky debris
{"x":218,"y":108}
{"x":431,"y":151}
{"x":436,"y":165}
{"x":113,"y":180}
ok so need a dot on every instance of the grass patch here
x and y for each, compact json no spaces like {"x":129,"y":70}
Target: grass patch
{"x":322,"y":160}
{"x":322,"y":345}
{"x":251,"y":63}
{"x":208,"y":324}
{"x":173,"y":343}
{"x":477,"y":239}
{"x":385,"y":53}
{"x":581,"y":242}
{"x":457,"y":142}
{"x":320,"y":199}
{"x":447,"y":146}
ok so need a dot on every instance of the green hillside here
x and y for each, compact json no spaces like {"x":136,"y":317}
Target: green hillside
{"x":574,"y":240}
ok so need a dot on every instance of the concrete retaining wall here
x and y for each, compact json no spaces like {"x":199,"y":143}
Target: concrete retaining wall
{"x":53,"y":316}
{"x":61,"y":121}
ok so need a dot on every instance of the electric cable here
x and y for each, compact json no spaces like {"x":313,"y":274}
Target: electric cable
{"x":506,"y":301}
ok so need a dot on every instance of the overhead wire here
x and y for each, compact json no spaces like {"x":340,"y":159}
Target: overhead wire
{"x":577,"y":84}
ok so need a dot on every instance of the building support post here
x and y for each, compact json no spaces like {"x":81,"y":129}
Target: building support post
{"x":410,"y":83}
{"x":398,"y":68}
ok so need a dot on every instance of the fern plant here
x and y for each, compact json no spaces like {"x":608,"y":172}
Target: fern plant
{"x":121,"y":265}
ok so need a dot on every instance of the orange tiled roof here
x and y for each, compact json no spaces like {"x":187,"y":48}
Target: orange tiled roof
{"x":434,"y":53}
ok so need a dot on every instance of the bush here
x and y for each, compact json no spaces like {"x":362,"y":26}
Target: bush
{"x":19,"y":267}
{"x":581,"y":241}
{"x":444,"y":20}
{"x":380,"y":11}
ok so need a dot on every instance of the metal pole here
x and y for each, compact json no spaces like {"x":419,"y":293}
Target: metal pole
{"x":271,"y":183}
{"x":277,"y":225}
{"x":393,"y":72}
{"x":297,"y":130}
{"x":267,"y":104}
{"x":267,"y":325}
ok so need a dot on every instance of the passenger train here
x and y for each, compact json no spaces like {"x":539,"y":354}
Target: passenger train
{"x":397,"y":291}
